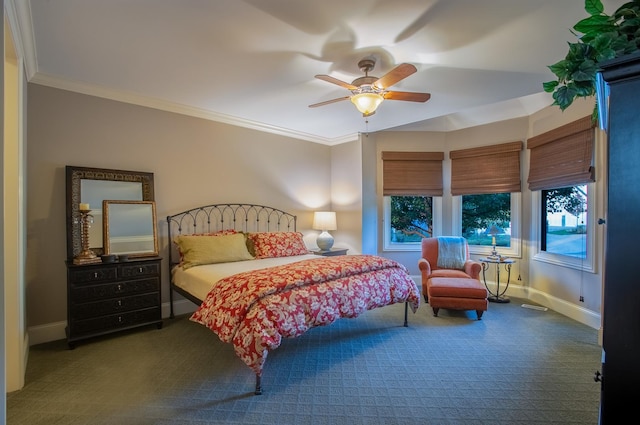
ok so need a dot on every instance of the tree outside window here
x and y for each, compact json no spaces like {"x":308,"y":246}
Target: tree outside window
{"x":411,"y":219}
{"x":480,"y":212}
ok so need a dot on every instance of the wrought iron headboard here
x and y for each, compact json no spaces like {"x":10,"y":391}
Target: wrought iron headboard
{"x":217,"y":217}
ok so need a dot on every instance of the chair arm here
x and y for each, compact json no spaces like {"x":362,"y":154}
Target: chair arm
{"x":473,"y":268}
{"x":425,"y":267}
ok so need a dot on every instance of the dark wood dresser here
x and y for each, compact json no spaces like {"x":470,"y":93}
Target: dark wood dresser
{"x":104,"y":298}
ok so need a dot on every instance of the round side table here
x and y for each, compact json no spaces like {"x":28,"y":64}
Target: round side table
{"x":498,"y":295}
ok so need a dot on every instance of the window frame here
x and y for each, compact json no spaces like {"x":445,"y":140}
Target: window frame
{"x":584,"y":264}
{"x":387,"y":245}
{"x":515,"y":250}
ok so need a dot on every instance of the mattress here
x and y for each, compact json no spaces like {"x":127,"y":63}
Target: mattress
{"x":199,"y":280}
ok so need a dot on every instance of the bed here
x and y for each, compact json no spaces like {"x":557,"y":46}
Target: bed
{"x":255,"y":282}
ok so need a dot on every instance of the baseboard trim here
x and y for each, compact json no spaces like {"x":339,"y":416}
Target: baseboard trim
{"x":180,"y":307}
{"x":47,"y":333}
{"x":56,"y":331}
{"x":573,"y":311}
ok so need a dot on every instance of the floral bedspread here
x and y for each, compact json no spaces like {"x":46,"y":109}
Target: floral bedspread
{"x":255,"y":310}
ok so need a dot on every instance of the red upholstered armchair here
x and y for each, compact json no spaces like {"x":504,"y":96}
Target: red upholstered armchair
{"x":456,"y":288}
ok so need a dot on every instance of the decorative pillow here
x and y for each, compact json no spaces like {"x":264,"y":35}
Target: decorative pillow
{"x":218,"y":233}
{"x":276,"y":244}
{"x":223,"y":248}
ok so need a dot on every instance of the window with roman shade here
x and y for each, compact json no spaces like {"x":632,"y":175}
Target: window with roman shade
{"x":486,"y":169}
{"x":412,"y":173}
{"x":562,"y":157}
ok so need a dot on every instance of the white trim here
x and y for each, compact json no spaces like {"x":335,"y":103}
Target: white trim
{"x":572,"y":311}
{"x":180,"y":307}
{"x":56,"y":331}
{"x":47,"y":332}
{"x":587,"y":264}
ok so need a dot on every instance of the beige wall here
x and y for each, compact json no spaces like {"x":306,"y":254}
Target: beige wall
{"x":194,"y":162}
{"x":556,"y":286}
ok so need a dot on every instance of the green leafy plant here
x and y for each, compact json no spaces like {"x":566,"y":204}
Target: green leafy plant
{"x":601,"y":37}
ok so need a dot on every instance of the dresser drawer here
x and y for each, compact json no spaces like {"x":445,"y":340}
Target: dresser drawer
{"x":85,"y":293}
{"x":88,"y":275}
{"x":139,"y":270}
{"x":105,"y":298}
{"x":115,"y":305}
{"x":106,"y":324}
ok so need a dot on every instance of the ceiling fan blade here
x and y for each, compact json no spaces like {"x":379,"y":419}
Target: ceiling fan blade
{"x":405,"y":95}
{"x":326,"y":102}
{"x":330,"y":79}
{"x":398,"y":73}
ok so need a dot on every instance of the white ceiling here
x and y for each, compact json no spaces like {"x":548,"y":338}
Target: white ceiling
{"x":252,"y":62}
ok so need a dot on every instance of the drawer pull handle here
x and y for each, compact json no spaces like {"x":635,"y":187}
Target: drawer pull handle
{"x":119,"y":319}
{"x":95,"y":275}
{"x":140,"y":270}
{"x":119,"y":303}
{"x":119,"y":287}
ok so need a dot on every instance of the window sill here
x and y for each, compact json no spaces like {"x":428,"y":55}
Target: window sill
{"x":583,"y":264}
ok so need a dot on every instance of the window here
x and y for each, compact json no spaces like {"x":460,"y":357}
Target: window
{"x":564,"y":221}
{"x":485,"y":182}
{"x":483,"y":213}
{"x":477,"y":213}
{"x":567,"y":242}
{"x":561,"y":175}
{"x":408,"y":219}
{"x":412,"y":191}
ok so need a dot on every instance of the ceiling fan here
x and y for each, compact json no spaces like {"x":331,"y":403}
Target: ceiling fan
{"x":368,"y":92}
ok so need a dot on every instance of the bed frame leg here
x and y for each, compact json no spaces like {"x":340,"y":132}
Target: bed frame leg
{"x":406,"y":311}
{"x":258,"y":385}
{"x":171,"y":315}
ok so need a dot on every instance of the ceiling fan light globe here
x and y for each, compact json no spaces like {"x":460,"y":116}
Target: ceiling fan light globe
{"x":367,"y":103}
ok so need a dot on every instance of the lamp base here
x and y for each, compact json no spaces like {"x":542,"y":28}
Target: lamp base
{"x":494,"y":254}
{"x":498,"y":299}
{"x":324,"y":241}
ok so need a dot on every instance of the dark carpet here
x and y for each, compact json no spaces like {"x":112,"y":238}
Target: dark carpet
{"x":515,"y":366}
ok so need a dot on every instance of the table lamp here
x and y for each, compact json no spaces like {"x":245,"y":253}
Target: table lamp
{"x":493,"y":231}
{"x":324,"y":221}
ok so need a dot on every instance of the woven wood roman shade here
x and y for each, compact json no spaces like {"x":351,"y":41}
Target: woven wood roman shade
{"x":487,"y":169}
{"x":412,"y":173}
{"x":562,"y":157}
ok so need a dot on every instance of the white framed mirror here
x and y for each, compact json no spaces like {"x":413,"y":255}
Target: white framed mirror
{"x":130,"y":228}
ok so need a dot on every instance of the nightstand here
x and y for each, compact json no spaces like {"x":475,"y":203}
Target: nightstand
{"x":331,"y":252}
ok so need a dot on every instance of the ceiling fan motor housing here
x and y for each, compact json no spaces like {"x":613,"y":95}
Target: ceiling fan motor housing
{"x":364,"y":80}
{"x":366,"y":65}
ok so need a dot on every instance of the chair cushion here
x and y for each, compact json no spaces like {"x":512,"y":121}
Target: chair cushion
{"x":449,"y":273}
{"x":456,"y":288}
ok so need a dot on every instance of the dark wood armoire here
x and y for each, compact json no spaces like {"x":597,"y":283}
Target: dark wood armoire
{"x":620,"y":379}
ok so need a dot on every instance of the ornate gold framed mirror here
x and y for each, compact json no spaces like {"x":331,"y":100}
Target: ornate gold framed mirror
{"x":130,"y":228}
{"x":91,"y":186}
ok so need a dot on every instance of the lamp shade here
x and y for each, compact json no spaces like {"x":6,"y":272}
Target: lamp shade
{"x":324,"y":220}
{"x":367,"y":103}
{"x":494,"y":230}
